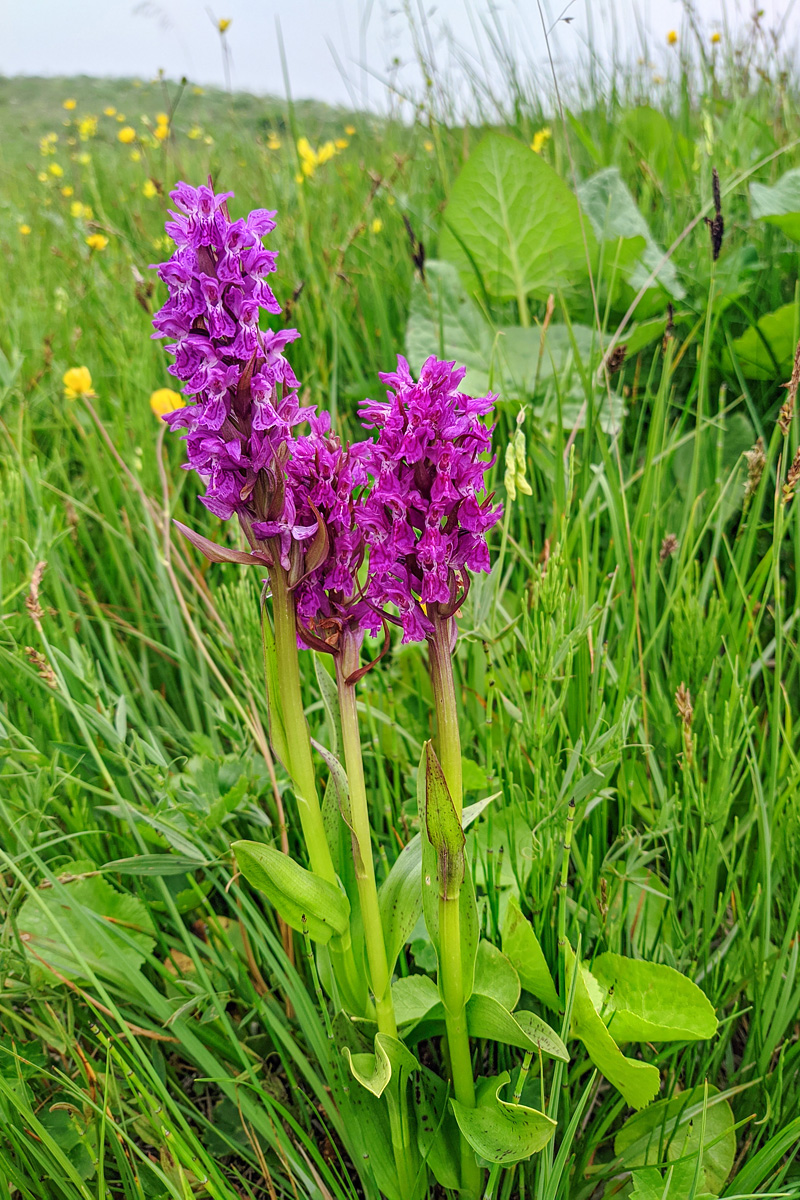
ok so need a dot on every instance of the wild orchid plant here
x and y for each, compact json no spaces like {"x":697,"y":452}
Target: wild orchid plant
{"x":353,"y":539}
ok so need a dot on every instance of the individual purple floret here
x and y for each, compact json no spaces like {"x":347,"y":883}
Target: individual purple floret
{"x":243,"y":389}
{"x":426,"y":517}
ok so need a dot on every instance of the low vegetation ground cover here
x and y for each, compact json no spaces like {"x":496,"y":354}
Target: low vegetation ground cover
{"x":622,"y":274}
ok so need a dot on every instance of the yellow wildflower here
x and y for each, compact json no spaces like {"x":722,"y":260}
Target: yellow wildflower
{"x":56,"y":169}
{"x":672,"y":37}
{"x":195,"y":132}
{"x":224,"y":24}
{"x":149,"y":189}
{"x":716,"y":38}
{"x":162,"y":132}
{"x":121,"y":118}
{"x":67,"y":191}
{"x":540,"y":139}
{"x":136,"y":156}
{"x":77,"y":382}
{"x":76,"y":209}
{"x":96,"y":241}
{"x":299,"y":177}
{"x":349,"y":130}
{"x":162,"y":118}
{"x":342,"y":143}
{"x":24,"y":230}
{"x":208,"y":140}
{"x":84,"y":159}
{"x":164,"y":400}
{"x":428,"y":146}
{"x":127,"y":135}
{"x":197,"y":91}
{"x":69,"y":105}
{"x":110,"y":111}
{"x":377,"y":225}
{"x":42,"y":177}
{"x":273,"y":142}
{"x":310,"y":158}
{"x":87,"y":128}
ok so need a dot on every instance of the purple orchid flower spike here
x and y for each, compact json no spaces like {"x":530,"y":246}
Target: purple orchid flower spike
{"x":427,"y":514}
{"x":243,"y":391}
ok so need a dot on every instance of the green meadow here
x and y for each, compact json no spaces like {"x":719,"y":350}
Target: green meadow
{"x":627,"y":676}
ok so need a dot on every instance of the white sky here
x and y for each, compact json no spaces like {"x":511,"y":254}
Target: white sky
{"x":137,"y":37}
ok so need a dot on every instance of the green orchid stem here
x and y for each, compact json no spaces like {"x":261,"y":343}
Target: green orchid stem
{"x":298,"y":744}
{"x":451,"y":982}
{"x":448,"y":739}
{"x":301,"y":769}
{"x":380,"y":978}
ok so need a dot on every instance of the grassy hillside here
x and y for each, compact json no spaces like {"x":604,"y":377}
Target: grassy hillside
{"x":633,"y":653}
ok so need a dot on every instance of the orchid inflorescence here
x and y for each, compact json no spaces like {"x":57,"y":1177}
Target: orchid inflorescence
{"x":414,"y":498}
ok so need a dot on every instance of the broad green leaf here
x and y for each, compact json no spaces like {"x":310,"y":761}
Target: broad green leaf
{"x":766,"y":351}
{"x":294,"y":891}
{"x":414,"y":996}
{"x":650,"y":1002}
{"x":521,"y":947}
{"x":373,"y":1071}
{"x":499,"y":1131}
{"x":390,"y":1060}
{"x":637,"y":1081}
{"x":486,"y":1018}
{"x":779,"y":205}
{"x":614,"y":216}
{"x":670,"y":1130}
{"x":445,"y":321}
{"x":437,"y":1132}
{"x":495,"y":976}
{"x":400,"y":895}
{"x":111,"y":931}
{"x":514,"y":221}
{"x":443,"y":827}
